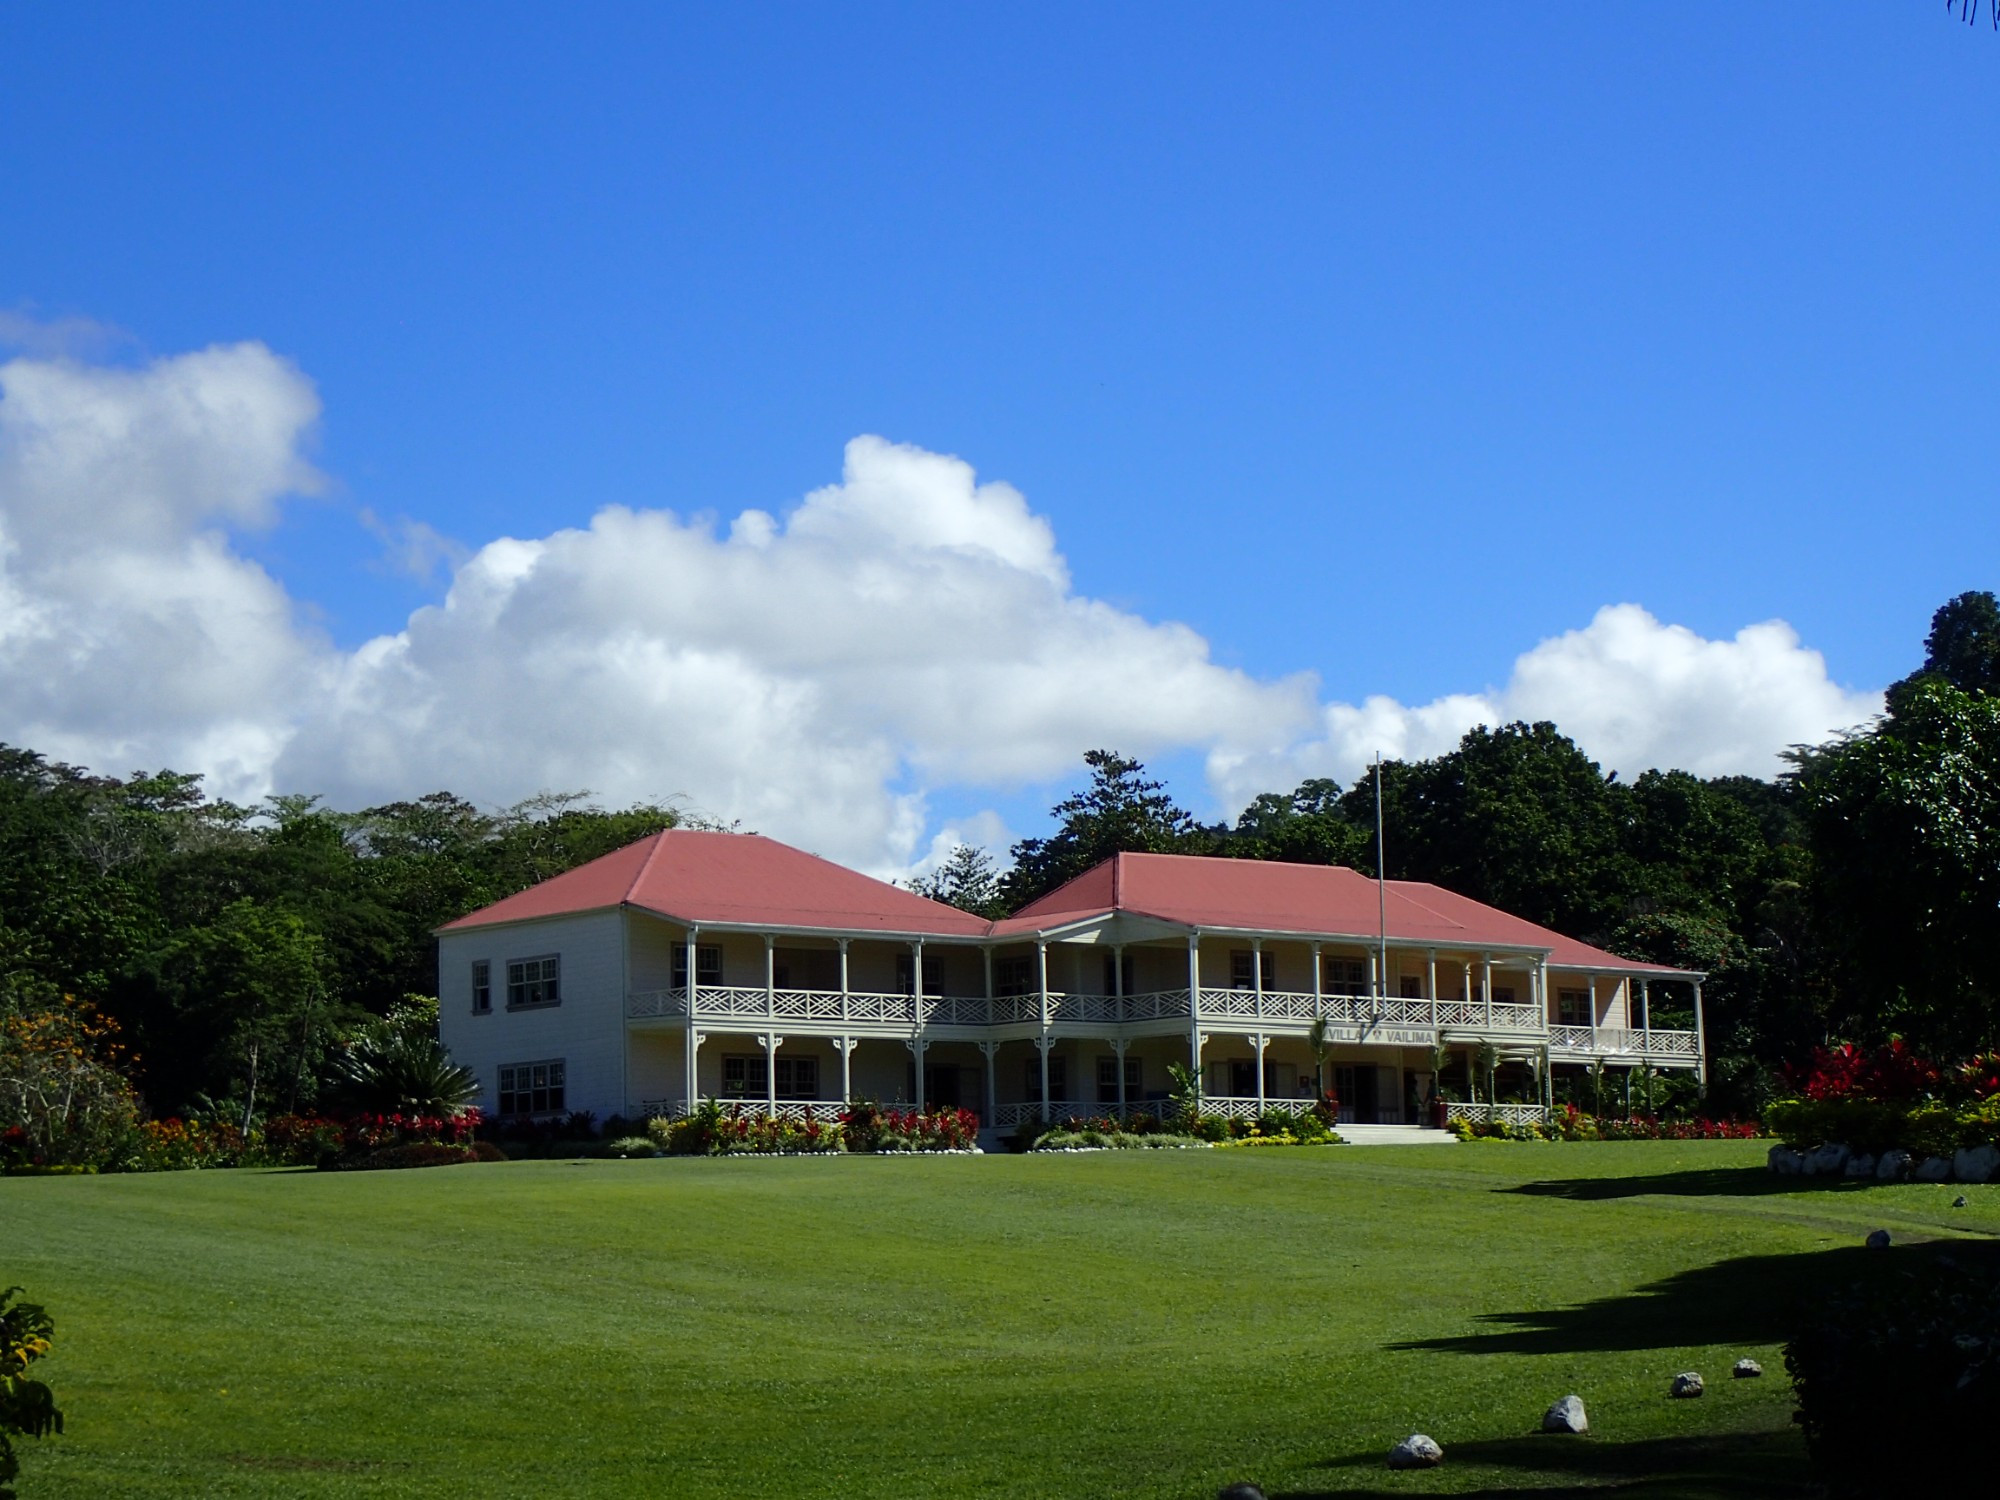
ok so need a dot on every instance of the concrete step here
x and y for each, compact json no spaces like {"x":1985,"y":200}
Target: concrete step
{"x":1396,"y":1135}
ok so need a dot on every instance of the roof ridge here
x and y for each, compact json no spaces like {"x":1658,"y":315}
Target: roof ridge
{"x":645,"y":867}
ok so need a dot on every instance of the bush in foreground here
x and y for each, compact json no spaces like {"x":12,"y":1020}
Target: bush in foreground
{"x":27,"y":1406}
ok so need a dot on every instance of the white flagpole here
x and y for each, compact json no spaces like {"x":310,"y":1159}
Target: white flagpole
{"x":1381,"y":891}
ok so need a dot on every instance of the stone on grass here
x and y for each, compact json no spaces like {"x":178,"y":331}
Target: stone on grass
{"x":1686,"y":1384}
{"x":1567,"y":1415}
{"x":1829,"y":1160}
{"x":1416,"y":1452}
{"x":1244,"y":1491}
{"x":1892,"y":1166}
{"x":1861,"y":1166}
{"x":1878,"y":1239}
{"x":1934,"y":1169}
{"x":1746,"y":1369}
{"x":1785,"y":1161}
{"x":1959,"y":1201}
{"x":1975,"y":1163}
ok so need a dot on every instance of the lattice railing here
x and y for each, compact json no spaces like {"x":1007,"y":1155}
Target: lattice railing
{"x":1618,"y":1041}
{"x":642,"y":1003}
{"x":1513,"y":1114}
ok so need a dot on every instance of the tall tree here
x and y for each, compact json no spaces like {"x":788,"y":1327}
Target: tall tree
{"x":1121,"y":811}
{"x":968,"y":880}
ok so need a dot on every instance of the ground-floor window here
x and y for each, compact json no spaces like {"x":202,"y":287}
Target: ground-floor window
{"x":1107,"y":1078}
{"x":747,"y":1076}
{"x":1058,"y":1078}
{"x":531,"y":1088}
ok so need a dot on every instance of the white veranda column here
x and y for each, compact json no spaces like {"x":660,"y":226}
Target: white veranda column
{"x":772,"y":1042}
{"x":1700,"y":1042}
{"x":694,"y":1041}
{"x":1486,"y":985}
{"x":843,"y":977}
{"x":1257,"y":973}
{"x":846,"y":1044}
{"x":918,"y":1047}
{"x":1260,"y":1042}
{"x":1118,"y":1046}
{"x":1043,"y":1043}
{"x":990,"y":1050}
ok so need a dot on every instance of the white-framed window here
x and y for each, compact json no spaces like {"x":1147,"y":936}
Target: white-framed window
{"x":1572,"y":1008}
{"x":745,"y":1076}
{"x":1058,"y":1078}
{"x":1346,"y":976}
{"x":1107,"y":1078}
{"x":707,"y":964}
{"x":531,"y":1088}
{"x":1242,"y":974}
{"x":482,"y":986}
{"x":1014,"y":975}
{"x":534,"y":981}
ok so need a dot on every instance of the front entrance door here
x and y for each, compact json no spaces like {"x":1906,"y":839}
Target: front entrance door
{"x":1356,"y":1087}
{"x":941,"y":1085}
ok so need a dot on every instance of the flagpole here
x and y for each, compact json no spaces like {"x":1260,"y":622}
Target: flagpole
{"x":1381,"y":892}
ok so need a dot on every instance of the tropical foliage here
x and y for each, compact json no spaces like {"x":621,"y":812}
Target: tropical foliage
{"x":27,"y":1406}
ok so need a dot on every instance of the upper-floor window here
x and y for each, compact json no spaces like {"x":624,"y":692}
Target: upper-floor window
{"x":1014,"y":975}
{"x":1117,"y":976}
{"x":905,"y":969}
{"x":1412,"y":987}
{"x":707,"y":964}
{"x":482,"y":986}
{"x":531,"y":1088}
{"x":534,"y":981}
{"x":1572,"y":1008}
{"x":1243,"y":973}
{"x":1346,"y":976}
{"x":1503,"y":994}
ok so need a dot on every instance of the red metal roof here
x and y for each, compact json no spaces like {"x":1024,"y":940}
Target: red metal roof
{"x":744,"y":879}
{"x":1269,"y":896}
{"x":735,"y":878}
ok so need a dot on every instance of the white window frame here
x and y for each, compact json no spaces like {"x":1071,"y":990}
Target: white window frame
{"x":552,"y":1085}
{"x":482,"y":986}
{"x":707,"y":965}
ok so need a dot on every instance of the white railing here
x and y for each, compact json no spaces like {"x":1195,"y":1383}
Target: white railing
{"x":1513,"y":1114}
{"x":642,"y":1003}
{"x":1007,"y":1116}
{"x":1614,"y":1041}
{"x":1246,"y":1108}
{"x":752,"y":1003}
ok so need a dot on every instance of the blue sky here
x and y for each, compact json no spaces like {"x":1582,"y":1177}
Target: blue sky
{"x":1378,"y":344}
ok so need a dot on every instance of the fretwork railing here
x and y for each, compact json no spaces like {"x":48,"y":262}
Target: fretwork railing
{"x":1007,"y":1116}
{"x":642,"y":1003}
{"x":1513,"y":1114}
{"x":1610,"y":1041}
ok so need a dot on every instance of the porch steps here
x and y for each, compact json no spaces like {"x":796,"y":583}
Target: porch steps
{"x":1396,"y":1135}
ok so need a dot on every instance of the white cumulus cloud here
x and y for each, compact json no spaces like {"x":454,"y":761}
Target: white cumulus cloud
{"x":815,"y":673}
{"x":132,"y":633}
{"x":1633,"y":692}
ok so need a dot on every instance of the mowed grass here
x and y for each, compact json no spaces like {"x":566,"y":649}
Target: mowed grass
{"x":1143,"y":1324}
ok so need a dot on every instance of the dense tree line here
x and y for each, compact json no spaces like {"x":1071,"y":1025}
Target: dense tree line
{"x":241,"y":951}
{"x":237,"y":948}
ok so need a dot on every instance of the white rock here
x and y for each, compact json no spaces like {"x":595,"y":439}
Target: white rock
{"x":1893,"y":1166}
{"x":1878,"y":1239}
{"x":1746,"y":1369}
{"x":1829,"y":1160}
{"x":1686,"y":1384}
{"x":1416,"y":1452}
{"x":1243,"y":1491}
{"x":1567,"y":1415}
{"x":1975,"y":1163}
{"x":1784,"y":1161}
{"x":1861,"y":1166}
{"x":1934,"y":1169}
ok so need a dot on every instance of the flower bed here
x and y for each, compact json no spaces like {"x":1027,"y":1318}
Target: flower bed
{"x":1571,"y":1124}
{"x":1889,"y":1105}
{"x":716,"y":1129}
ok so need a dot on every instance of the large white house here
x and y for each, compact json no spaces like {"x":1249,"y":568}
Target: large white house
{"x":692,"y":965}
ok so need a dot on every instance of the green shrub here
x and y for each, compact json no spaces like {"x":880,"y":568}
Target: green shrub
{"x":1896,"y":1380}
{"x":630,"y":1147}
{"x":393,"y":1158}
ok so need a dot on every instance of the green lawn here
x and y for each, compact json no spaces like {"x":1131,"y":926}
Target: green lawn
{"x":1132,"y":1323}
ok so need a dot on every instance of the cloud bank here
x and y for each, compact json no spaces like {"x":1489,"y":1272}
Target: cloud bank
{"x":814,"y":674}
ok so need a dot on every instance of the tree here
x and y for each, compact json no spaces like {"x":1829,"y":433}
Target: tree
{"x":27,"y":1406}
{"x":1310,"y":826}
{"x":1121,"y":811}
{"x":1904,"y":823}
{"x":404,"y":1071}
{"x":1962,"y":649}
{"x":968,"y":880}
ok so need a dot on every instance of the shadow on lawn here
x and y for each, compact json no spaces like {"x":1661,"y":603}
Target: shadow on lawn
{"x":1754,"y":1299}
{"x":1715,"y":1182}
{"x":1728,"y":1465}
